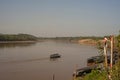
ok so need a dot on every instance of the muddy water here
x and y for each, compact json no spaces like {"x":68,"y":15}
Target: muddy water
{"x":32,"y":62}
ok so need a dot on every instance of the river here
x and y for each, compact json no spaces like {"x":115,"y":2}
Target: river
{"x":31,"y":61}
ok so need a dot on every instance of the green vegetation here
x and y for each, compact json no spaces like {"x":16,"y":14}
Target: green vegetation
{"x":116,"y":68}
{"x":104,"y":74}
{"x":116,"y":71}
{"x":97,"y":75}
{"x":118,"y":40}
{"x":18,"y":37}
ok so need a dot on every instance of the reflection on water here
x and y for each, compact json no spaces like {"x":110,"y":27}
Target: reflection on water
{"x":13,"y":45}
{"x":32,"y":61}
{"x":54,"y":59}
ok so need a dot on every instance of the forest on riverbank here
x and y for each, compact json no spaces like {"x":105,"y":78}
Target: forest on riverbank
{"x":17,"y":37}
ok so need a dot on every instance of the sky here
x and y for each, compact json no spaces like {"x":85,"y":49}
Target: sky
{"x":60,"y":18}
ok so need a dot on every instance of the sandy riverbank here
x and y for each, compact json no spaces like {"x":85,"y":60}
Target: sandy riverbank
{"x":90,"y":41}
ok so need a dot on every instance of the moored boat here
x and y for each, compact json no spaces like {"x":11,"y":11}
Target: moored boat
{"x":83,"y":71}
{"x":95,"y":60}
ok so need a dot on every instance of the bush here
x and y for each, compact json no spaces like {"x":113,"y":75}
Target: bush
{"x":96,"y":75}
{"x":116,"y":71}
{"x":19,"y":37}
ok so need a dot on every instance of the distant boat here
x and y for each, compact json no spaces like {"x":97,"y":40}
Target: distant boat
{"x":56,"y":55}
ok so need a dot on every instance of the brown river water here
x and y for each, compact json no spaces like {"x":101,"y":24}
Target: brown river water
{"x":30,"y":61}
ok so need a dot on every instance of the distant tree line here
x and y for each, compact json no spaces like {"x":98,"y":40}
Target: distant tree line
{"x":17,"y":37}
{"x":74,"y":38}
{"x":26,"y":37}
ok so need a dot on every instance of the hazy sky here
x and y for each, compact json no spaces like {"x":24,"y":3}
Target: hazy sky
{"x":55,"y":18}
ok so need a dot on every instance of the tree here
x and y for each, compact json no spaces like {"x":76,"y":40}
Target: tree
{"x":19,"y":37}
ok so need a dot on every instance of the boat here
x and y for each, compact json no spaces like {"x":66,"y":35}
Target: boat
{"x":95,"y":60}
{"x":56,"y":55}
{"x":100,"y":59}
{"x":83,"y":71}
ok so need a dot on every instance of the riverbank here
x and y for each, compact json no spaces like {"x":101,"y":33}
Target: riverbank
{"x":87,"y":41}
{"x":90,"y":42}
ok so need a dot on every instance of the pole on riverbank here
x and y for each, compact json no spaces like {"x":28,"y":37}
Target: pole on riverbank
{"x":53,"y":78}
{"x":75,"y":71}
{"x":111,"y":41}
{"x":105,"y":51}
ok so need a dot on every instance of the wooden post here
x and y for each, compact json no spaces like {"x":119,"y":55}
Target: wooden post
{"x":111,"y":60}
{"x":53,"y":77}
{"x":74,"y":77}
{"x":105,"y":51}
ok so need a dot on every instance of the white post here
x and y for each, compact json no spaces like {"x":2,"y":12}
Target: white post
{"x":105,"y":51}
{"x":111,"y":41}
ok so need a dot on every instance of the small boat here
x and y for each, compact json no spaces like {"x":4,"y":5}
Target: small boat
{"x":56,"y":55}
{"x":83,"y":71}
{"x":95,"y":60}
